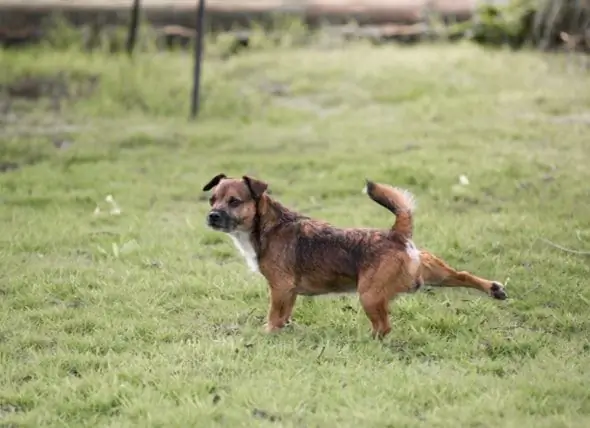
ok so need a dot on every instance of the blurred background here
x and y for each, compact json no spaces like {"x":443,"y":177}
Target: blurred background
{"x":513,"y":22}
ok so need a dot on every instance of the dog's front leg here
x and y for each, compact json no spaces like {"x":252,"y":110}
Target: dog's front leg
{"x":282,"y":300}
{"x":288,"y":308}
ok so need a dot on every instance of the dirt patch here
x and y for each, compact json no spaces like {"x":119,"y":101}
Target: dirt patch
{"x":263,"y":414}
{"x":8,"y":166}
{"x":61,"y":85}
{"x":28,"y":90}
{"x":7,"y":409}
{"x":583,"y":118}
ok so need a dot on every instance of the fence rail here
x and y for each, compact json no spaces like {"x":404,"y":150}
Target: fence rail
{"x":225,"y":13}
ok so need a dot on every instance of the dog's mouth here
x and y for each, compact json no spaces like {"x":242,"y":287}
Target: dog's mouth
{"x":221,"y":222}
{"x":218,"y":228}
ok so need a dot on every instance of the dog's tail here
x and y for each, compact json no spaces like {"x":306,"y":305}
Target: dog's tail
{"x":399,"y":201}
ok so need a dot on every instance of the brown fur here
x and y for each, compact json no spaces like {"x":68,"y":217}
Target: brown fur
{"x":301,"y":256}
{"x":436,"y":272}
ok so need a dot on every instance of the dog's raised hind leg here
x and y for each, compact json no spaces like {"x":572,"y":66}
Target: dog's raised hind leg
{"x":435,"y":272}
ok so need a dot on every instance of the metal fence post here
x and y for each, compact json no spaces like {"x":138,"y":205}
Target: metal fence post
{"x":132,"y":32}
{"x":200,"y":29}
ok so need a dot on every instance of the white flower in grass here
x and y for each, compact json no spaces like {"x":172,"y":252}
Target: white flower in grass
{"x":115,"y":210}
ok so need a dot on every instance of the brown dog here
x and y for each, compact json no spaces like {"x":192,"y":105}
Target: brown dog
{"x":301,"y":256}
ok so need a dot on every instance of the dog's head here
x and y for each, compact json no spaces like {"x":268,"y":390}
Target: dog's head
{"x":233,"y":202}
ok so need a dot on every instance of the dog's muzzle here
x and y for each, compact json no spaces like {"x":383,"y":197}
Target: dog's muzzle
{"x":219,"y":220}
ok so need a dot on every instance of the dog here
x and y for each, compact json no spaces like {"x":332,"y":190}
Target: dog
{"x":298,"y":255}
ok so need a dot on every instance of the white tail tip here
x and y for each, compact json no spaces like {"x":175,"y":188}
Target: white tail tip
{"x":409,"y":197}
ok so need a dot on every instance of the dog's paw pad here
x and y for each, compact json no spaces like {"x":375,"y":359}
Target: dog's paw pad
{"x":497,"y":291}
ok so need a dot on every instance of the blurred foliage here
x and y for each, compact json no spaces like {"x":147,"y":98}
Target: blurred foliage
{"x":517,"y":23}
{"x":533,"y":22}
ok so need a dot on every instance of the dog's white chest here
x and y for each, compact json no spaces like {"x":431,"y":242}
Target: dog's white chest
{"x":412,"y":251}
{"x":242,"y":242}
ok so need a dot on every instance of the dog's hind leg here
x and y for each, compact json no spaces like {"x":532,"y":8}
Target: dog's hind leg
{"x":376,"y":308}
{"x":437,"y":273}
{"x":375,"y":292}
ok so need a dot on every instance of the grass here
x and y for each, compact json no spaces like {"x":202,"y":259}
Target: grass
{"x":149,"y":319}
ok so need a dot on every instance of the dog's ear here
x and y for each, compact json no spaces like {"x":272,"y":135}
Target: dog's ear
{"x":255,"y":186}
{"x":214,"y":182}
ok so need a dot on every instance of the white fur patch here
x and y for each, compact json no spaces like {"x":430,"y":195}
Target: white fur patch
{"x":409,"y":197}
{"x":413,"y":252}
{"x":365,"y":190}
{"x":244,"y":246}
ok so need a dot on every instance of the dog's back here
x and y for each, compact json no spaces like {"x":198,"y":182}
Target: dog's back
{"x":327,"y":259}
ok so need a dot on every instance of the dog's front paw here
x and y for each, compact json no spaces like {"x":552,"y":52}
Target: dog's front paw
{"x":497,"y":291}
{"x":271,"y":328}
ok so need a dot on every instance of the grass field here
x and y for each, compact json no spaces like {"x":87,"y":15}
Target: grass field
{"x":149,"y":319}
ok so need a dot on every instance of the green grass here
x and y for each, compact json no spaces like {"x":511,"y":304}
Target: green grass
{"x":149,"y":319}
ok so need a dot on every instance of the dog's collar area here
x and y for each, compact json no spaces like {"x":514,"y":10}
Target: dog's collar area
{"x":256,"y":223}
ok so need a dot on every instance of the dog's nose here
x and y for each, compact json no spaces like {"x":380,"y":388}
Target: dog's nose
{"x":213,"y":217}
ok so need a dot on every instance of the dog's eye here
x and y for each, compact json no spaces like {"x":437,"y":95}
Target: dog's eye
{"x":211,"y":200}
{"x":234,"y":202}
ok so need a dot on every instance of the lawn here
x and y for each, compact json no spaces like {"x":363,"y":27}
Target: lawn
{"x":144,"y":317}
